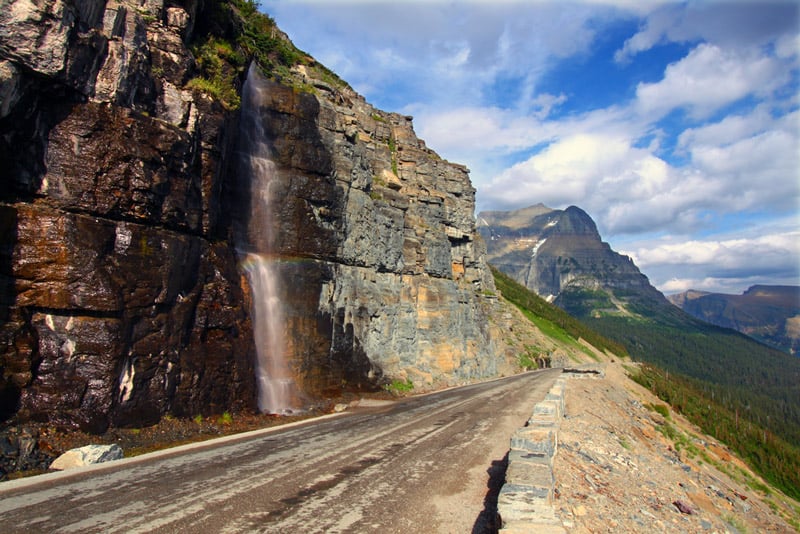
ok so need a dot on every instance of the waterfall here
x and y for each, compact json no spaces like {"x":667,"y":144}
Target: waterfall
{"x":277,"y":391}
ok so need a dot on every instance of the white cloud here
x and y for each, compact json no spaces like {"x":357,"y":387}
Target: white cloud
{"x":542,"y":104}
{"x":724,"y":23}
{"x":613,"y":180}
{"x":653,"y":33}
{"x":788,"y":47}
{"x":728,"y":254}
{"x":477,"y":128}
{"x":755,"y":156}
{"x":739,"y":164}
{"x":728,"y":130}
{"x":708,"y":79}
{"x":440,"y":53}
{"x":764,"y":253}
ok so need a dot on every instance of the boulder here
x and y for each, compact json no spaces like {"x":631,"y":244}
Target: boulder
{"x":90,"y":454}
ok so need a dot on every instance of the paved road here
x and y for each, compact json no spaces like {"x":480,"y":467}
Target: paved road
{"x":418,"y":465}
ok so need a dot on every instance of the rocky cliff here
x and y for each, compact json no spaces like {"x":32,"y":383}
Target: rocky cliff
{"x":122,"y":297}
{"x":560,"y":255}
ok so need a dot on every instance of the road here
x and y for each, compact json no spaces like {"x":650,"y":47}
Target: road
{"x":422,"y":464}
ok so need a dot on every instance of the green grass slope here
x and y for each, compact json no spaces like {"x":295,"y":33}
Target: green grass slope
{"x":550,"y":319}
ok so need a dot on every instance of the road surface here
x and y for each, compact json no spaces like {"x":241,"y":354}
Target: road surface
{"x":422,"y":464}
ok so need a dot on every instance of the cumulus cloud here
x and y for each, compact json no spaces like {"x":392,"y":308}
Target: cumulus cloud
{"x":439,"y":52}
{"x":755,"y":156}
{"x":625,"y":188}
{"x":708,"y":79}
{"x":728,"y":24}
{"x":462,"y":131}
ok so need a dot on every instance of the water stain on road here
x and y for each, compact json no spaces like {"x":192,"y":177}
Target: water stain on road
{"x":303,"y":495}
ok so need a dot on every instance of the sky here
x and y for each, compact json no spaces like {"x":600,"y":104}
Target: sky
{"x":675,"y":126}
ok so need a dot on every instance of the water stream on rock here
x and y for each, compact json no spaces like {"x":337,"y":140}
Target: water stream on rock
{"x":277,"y":390}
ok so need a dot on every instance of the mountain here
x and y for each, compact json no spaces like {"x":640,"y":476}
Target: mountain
{"x":770,"y":314}
{"x":560,"y":255}
{"x":133,"y":138}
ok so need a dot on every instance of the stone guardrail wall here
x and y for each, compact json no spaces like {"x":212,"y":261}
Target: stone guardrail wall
{"x":525,"y":502}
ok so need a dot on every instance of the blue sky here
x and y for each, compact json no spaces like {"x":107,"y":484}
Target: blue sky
{"x":674,"y":125}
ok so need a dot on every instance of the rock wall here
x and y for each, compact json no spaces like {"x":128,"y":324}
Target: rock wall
{"x":121,"y":297}
{"x":383,"y":275}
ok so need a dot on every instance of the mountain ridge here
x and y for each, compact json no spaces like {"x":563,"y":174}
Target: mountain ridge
{"x":770,"y":314}
{"x":556,"y":251}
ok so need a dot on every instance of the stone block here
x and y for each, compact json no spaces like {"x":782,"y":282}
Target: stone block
{"x":547,"y":407}
{"x":556,"y":394}
{"x":536,"y":475}
{"x":543,"y":420}
{"x":531,"y":457}
{"x":547,"y":413}
{"x":519,"y":503}
{"x":542,"y":443}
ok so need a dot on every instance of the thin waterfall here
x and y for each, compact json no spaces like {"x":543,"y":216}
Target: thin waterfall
{"x":277,"y":391}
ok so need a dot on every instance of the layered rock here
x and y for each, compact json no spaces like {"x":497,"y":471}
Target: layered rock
{"x":121,"y":295}
{"x":382,"y":273}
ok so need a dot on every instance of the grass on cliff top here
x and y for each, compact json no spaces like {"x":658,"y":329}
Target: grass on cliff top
{"x":234,"y":32}
{"x":261,"y":39}
{"x":551,"y":320}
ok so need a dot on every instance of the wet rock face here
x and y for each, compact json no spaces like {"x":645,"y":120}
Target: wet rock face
{"x":122,"y":322}
{"x":118,"y":301}
{"x":140,"y":168}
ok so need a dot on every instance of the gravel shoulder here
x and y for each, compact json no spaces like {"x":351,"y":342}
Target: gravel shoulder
{"x":622,"y":466}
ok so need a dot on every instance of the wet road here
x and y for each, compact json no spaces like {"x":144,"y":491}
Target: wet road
{"x":417,"y":465}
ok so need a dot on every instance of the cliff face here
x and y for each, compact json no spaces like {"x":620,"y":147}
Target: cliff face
{"x":121,"y":300}
{"x":378,"y":242}
{"x":121,"y":294}
{"x":559,"y":255}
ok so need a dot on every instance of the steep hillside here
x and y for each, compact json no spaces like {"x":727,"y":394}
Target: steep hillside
{"x":553,"y":320}
{"x":770,"y":314}
{"x":644,"y":467}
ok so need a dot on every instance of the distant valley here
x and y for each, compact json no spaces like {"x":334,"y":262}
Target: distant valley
{"x":770,"y":314}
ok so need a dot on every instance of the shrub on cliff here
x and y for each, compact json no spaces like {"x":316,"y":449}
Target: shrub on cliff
{"x":236,"y":33}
